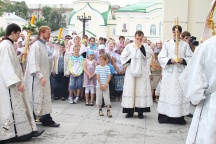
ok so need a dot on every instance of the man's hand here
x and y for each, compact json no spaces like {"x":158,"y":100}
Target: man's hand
{"x":23,"y":55}
{"x":67,"y":75}
{"x":21,"y":87}
{"x":151,"y":77}
{"x":43,"y":81}
{"x":173,"y":61}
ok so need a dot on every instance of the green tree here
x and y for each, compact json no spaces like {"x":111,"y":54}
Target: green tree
{"x":2,"y":5}
{"x":20,"y":9}
{"x":41,"y":22}
{"x":53,"y":16}
{"x":46,"y":12}
{"x":2,"y":32}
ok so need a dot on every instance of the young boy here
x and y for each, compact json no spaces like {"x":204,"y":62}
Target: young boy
{"x":76,"y":70}
{"x":103,"y":77}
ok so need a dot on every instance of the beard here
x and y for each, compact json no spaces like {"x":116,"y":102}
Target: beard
{"x":45,"y":38}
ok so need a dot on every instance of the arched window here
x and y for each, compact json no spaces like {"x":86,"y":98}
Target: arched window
{"x":160,"y":28}
{"x":139,"y":27}
{"x":153,"y":29}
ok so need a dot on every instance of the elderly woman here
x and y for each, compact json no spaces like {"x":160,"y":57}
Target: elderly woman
{"x":155,"y":71}
{"x":60,"y":71}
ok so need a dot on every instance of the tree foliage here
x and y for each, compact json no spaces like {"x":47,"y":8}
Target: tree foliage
{"x":20,"y":8}
{"x":53,"y":17}
{"x":2,"y":32}
{"x":41,"y":22}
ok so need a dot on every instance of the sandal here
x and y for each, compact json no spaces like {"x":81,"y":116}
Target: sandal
{"x":91,"y":104}
{"x":87,"y":104}
{"x":63,"y":98}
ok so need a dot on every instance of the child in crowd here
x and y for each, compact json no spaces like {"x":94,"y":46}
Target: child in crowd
{"x":103,"y":77}
{"x":76,"y":78}
{"x":89,"y":77}
{"x":112,"y":70}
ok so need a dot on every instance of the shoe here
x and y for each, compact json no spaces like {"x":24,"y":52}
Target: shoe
{"x":129,"y":115}
{"x":76,"y":100}
{"x":52,"y":125}
{"x":109,"y":114}
{"x":91,"y":104}
{"x":120,"y":99}
{"x":63,"y":98}
{"x":56,"y":98}
{"x":37,"y":133}
{"x":140,"y":116}
{"x":87,"y":104}
{"x":183,"y":122}
{"x":101,"y":113}
{"x":82,"y":99}
{"x":190,"y":115}
{"x":70,"y":100}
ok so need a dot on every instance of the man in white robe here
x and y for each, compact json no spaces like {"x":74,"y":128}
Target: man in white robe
{"x":137,"y":95}
{"x":198,"y":82}
{"x":16,"y":117}
{"x":37,"y":78}
{"x":173,"y":105}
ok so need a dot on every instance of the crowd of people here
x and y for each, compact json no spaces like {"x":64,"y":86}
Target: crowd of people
{"x":136,"y":72}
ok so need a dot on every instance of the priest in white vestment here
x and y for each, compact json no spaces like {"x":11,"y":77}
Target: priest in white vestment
{"x":37,"y":78}
{"x":137,"y":96}
{"x":198,"y":82}
{"x":173,"y":105}
{"x":16,"y":118}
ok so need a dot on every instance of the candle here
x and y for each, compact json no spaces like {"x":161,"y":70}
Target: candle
{"x":60,"y":33}
{"x":32,"y":20}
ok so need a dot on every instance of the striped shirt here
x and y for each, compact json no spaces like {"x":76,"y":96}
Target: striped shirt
{"x":103,"y":72}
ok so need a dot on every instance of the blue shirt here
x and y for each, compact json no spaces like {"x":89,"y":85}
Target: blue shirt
{"x":103,"y":72}
{"x":112,"y":70}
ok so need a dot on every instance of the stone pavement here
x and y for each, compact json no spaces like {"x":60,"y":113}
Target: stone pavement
{"x":81,"y":124}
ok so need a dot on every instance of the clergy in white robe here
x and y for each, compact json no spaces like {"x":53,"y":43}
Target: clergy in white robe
{"x":16,"y":117}
{"x":198,"y":82}
{"x":37,"y":78}
{"x":136,"y":96}
{"x":173,"y":105}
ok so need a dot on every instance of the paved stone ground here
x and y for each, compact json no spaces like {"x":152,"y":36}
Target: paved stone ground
{"x":82,"y":125}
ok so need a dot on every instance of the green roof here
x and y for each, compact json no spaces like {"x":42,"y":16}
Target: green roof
{"x":104,"y":14}
{"x":71,"y":15}
{"x":137,"y":7}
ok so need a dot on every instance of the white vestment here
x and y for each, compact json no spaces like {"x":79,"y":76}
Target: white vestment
{"x":143,"y":88}
{"x":150,"y":51}
{"x":172,"y":101}
{"x":38,"y":66}
{"x":10,"y":75}
{"x":198,"y":82}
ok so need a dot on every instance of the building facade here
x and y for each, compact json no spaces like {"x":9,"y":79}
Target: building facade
{"x":112,"y":21}
{"x":8,"y":18}
{"x":36,"y":9}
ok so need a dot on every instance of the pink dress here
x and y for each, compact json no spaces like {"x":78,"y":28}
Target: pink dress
{"x":90,"y":66}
